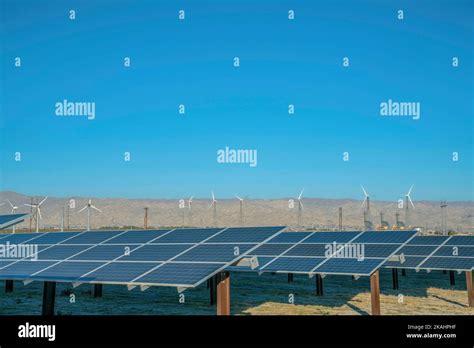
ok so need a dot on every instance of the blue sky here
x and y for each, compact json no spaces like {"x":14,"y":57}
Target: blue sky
{"x":282,"y":62}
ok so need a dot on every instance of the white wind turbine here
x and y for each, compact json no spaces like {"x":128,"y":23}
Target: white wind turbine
{"x":368,"y":225}
{"x":190,"y":208}
{"x":88,"y":207}
{"x":408,"y":200}
{"x":241,"y":211}
{"x":300,"y":207}
{"x":214,"y":205}
{"x":37,"y":212}
{"x":366,"y":199}
{"x":14,"y":209}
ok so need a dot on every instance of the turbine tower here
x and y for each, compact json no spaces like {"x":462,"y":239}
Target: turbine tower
{"x":408,"y":200}
{"x":37,"y":212}
{"x":300,"y":207}
{"x":241,"y":211}
{"x":368,"y":225}
{"x":214,"y":206}
{"x":89,"y":206}
{"x":190,"y":210}
{"x":14,"y":208}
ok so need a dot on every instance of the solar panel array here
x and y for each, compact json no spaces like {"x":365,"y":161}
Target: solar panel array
{"x":11,"y":219}
{"x":343,"y":253}
{"x":437,"y":253}
{"x":179,"y":257}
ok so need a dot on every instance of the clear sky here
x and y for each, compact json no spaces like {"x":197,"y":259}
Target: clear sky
{"x":282,"y":62}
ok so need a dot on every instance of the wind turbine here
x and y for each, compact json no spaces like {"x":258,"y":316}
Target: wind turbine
{"x":366,"y":199}
{"x":190,"y":208}
{"x":241,"y":211}
{"x":408,"y":200}
{"x":368,"y":225}
{"x":214,"y":205}
{"x":300,"y":207}
{"x":88,"y":207}
{"x":14,"y":208}
{"x":37,"y":213}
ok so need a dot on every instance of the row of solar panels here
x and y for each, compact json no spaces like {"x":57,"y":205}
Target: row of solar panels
{"x":306,"y":252}
{"x":179,"y":257}
{"x":187,"y":257}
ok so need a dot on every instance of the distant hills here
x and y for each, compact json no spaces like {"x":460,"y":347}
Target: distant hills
{"x":317,"y":213}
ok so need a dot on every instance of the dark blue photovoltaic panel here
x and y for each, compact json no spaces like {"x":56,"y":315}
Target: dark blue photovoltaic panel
{"x":214,"y":253}
{"x":138,"y":237}
{"x":378,"y":250}
{"x":292,"y":264}
{"x":120,"y":272}
{"x":461,"y":240}
{"x":19,"y":238}
{"x":59,"y":252}
{"x":417,"y":250}
{"x":127,"y":255}
{"x":349,"y":266}
{"x":289,"y":237}
{"x":385,"y":237}
{"x":156,"y":252}
{"x":455,"y":251}
{"x":4,"y":263}
{"x":23,"y":269}
{"x":190,"y":235}
{"x":245,"y":234}
{"x":271,"y":249}
{"x":179,"y":273}
{"x":93,"y":237}
{"x":54,"y":237}
{"x":11,"y":219}
{"x":102,"y":252}
{"x":428,"y":240}
{"x":329,"y":237}
{"x":308,"y":250}
{"x":410,"y":262}
{"x":67,"y":271}
{"x":448,"y":263}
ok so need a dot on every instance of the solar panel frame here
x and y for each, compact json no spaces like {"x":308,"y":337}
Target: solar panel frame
{"x":12,"y":219}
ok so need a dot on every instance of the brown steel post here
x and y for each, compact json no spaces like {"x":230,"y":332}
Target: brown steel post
{"x":375,"y":293}
{"x":223,"y":293}
{"x":470,"y":288}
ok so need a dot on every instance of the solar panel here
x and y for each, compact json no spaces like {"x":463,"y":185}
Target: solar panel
{"x":353,"y":252}
{"x":437,"y":253}
{"x":11,"y":220}
{"x":180,"y":257}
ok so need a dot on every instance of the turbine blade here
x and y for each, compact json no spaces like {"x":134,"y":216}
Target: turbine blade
{"x":29,"y":205}
{"x":411,"y":202}
{"x":213,"y":198}
{"x":45,"y":198}
{"x":239,"y":198}
{"x":363,"y":189}
{"x":80,"y":211}
{"x":301,"y":204}
{"x":11,"y":205}
{"x":39,"y":213}
{"x":191,"y":199}
{"x":93,"y":207}
{"x":2,"y":203}
{"x":364,"y":201}
{"x":301,"y":194}
{"x":409,"y":191}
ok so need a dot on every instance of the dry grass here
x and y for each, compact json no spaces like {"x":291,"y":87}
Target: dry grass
{"x":438,"y":301}
{"x":418,"y":294}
